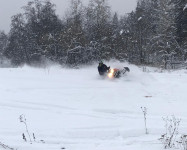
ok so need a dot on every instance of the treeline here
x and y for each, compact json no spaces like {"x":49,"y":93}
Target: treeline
{"x":154,"y":34}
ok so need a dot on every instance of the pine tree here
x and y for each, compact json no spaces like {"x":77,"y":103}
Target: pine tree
{"x":3,"y":43}
{"x":98,"y":28}
{"x":16,"y":48}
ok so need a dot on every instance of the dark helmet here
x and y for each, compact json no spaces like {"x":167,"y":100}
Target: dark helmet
{"x":100,"y":63}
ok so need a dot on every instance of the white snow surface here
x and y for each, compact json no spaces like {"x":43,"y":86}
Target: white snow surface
{"x":76,"y":109}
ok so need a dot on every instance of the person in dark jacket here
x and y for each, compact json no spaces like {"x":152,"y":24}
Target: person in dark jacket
{"x":102,"y":68}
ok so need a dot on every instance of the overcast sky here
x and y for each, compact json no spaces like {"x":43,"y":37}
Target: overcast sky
{"x":9,"y":8}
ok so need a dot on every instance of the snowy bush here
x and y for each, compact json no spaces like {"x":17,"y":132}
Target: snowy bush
{"x":183,"y":142}
{"x":172,"y":138}
{"x":23,"y":120}
{"x":169,"y":139}
{"x":144,"y":110}
{"x":5,"y":146}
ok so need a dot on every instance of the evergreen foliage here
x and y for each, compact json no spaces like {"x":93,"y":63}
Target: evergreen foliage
{"x":154,"y":34}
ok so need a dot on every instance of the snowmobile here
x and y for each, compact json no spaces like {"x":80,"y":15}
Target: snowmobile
{"x":117,"y":73}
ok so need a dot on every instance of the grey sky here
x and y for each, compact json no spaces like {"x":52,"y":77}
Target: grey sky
{"x":9,"y":8}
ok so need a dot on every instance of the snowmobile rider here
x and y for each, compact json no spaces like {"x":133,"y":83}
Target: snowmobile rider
{"x":102,"y":68}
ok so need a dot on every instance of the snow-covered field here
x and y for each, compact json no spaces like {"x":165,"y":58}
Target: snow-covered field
{"x":76,"y":109}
